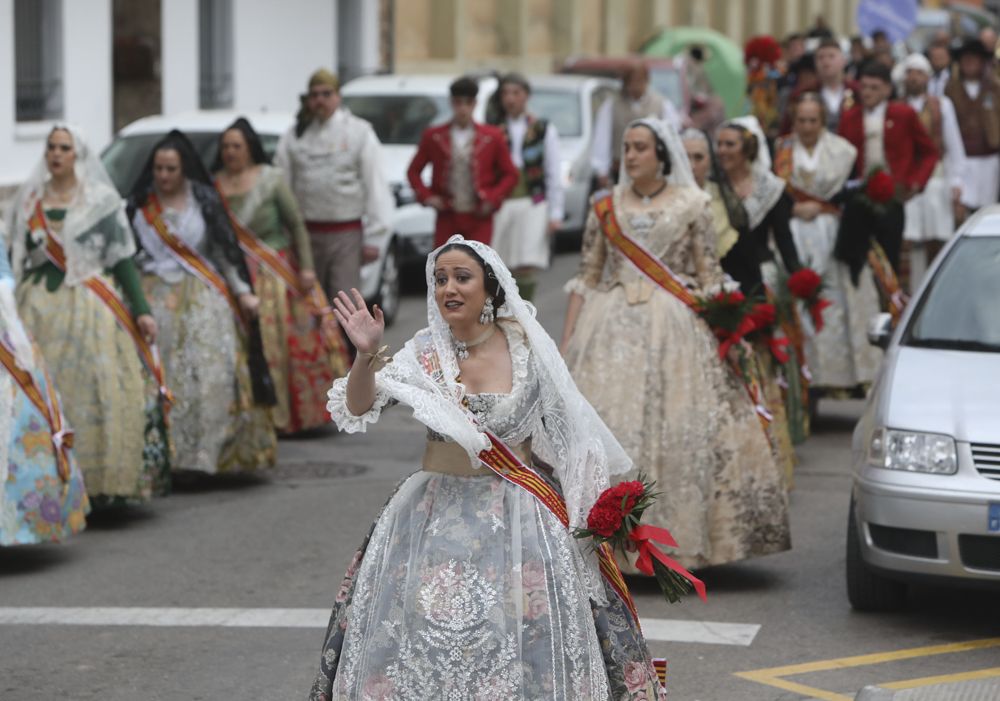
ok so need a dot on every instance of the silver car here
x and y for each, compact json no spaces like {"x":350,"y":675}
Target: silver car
{"x":926,"y":452}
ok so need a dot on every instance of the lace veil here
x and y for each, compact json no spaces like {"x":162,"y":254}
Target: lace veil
{"x":767,"y":187}
{"x":89,"y":250}
{"x":680,"y":167}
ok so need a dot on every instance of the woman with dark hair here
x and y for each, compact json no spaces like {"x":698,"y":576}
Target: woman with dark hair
{"x":199,"y":289}
{"x":685,"y":418}
{"x":470,"y":584}
{"x":303,"y":357}
{"x":80,"y":297}
{"x":745,"y":172}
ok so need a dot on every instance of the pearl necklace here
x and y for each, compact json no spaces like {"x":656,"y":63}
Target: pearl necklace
{"x":462,"y":347}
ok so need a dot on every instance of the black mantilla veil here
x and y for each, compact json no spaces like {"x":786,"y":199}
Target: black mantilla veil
{"x":222,"y":249}
{"x":254,"y":145}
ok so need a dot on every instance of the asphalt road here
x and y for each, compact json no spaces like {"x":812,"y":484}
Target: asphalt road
{"x":275,"y":548}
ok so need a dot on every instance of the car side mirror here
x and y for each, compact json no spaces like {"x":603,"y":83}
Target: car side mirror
{"x":880,"y":330}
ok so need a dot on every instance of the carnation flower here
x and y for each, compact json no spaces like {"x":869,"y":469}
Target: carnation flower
{"x":764,"y":315}
{"x":880,"y":187}
{"x":805,"y":283}
{"x":604,"y":520}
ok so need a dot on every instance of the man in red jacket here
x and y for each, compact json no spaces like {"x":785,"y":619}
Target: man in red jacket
{"x":889,"y":135}
{"x":472,"y":172}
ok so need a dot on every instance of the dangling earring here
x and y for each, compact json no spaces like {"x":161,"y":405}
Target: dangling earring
{"x":486,"y":316}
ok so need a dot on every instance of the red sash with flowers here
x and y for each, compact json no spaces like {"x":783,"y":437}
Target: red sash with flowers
{"x":148,"y":352}
{"x":267,"y":257}
{"x":193,"y":261}
{"x":47,"y":404}
{"x":657,"y":271}
{"x":505,"y":464}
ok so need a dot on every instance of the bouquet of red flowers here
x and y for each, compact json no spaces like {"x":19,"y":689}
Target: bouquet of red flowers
{"x":806,"y":284}
{"x":765,"y":317}
{"x":614,"y":519}
{"x":762,"y":49}
{"x":728,"y":315}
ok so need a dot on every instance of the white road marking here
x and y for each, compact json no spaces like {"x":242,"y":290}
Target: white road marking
{"x":657,"y":629}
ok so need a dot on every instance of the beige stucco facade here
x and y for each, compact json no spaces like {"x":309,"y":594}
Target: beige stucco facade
{"x":451,"y":36}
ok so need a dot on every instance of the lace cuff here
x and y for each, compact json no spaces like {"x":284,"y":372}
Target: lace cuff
{"x":342,"y":416}
{"x":576,"y":284}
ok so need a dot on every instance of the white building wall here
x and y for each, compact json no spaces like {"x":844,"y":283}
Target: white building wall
{"x":277,"y":45}
{"x":87,"y":86}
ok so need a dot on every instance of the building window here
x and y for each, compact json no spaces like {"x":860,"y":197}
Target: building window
{"x":216,"y":53}
{"x":38,"y":60}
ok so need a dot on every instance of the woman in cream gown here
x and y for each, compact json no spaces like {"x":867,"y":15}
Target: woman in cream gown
{"x":816,"y":165}
{"x":651,"y":368}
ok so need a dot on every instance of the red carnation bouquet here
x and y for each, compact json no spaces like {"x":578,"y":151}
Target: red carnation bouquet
{"x":765,"y":320}
{"x":806,"y":284}
{"x":761,"y":50}
{"x":614,"y":520}
{"x":879,"y":190}
{"x":728,"y":315}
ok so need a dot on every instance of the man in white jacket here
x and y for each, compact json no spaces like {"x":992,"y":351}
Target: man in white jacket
{"x":930,"y":218}
{"x":333,"y":163}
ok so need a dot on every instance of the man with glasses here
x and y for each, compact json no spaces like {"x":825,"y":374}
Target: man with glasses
{"x":472,"y":172}
{"x":332,"y":161}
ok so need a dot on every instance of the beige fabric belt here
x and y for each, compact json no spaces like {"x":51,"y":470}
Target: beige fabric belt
{"x":451,"y":459}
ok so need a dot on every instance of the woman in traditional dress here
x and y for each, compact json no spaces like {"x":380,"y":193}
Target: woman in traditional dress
{"x":816,"y":165}
{"x":683,"y":415}
{"x":304,"y":358}
{"x":471,"y":585}
{"x":80,"y":297}
{"x":745,"y":169}
{"x":42,"y":495}
{"x":199,"y":289}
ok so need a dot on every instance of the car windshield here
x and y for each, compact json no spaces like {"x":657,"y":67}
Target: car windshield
{"x":560,"y":107}
{"x":667,"y":82}
{"x":959,"y":309}
{"x":125,"y":157}
{"x":399,"y":119}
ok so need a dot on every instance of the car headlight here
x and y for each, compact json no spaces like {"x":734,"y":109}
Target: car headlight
{"x":912,"y":451}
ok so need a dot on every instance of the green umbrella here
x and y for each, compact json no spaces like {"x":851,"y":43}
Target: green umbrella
{"x":724,"y":66}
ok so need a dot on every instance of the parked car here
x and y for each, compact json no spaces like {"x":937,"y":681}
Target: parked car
{"x":926,"y":452}
{"x":127,"y":153}
{"x":400,"y":107}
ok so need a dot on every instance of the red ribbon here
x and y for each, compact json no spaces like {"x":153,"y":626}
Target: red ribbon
{"x":777,"y":346}
{"x":816,"y":312}
{"x":642,"y":536}
{"x":727,"y":341}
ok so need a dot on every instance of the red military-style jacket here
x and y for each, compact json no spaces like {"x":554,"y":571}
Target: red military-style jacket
{"x":909,"y":150}
{"x":495,"y":175}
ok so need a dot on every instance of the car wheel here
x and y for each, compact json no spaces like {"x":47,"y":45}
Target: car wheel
{"x":388,"y":287}
{"x":866,"y":590}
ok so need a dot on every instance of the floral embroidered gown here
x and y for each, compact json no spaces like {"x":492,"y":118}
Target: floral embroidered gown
{"x":38,"y":502}
{"x":301,"y":366}
{"x":467,"y":588}
{"x":650,"y":366}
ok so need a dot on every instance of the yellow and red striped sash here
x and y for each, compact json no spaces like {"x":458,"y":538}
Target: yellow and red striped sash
{"x":148,"y":353}
{"x":48,"y":404}
{"x":887,"y":280}
{"x":188,"y":257}
{"x":269,"y":258}
{"x":647,"y":263}
{"x":502,"y":461}
{"x":658,"y":272}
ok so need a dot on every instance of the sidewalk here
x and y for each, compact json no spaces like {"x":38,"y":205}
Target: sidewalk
{"x":973,"y":690}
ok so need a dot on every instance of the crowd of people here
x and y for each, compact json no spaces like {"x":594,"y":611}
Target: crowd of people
{"x":725,"y":284}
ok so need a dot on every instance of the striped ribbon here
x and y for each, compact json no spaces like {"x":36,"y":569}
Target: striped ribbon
{"x":49,"y":406}
{"x":878,"y":260}
{"x":193,"y":261}
{"x":149,"y":354}
{"x":502,"y":461}
{"x":265,"y":256}
{"x":657,"y":271}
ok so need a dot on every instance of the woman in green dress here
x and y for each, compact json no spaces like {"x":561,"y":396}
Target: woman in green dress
{"x":80,"y":296}
{"x":305,"y":352}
